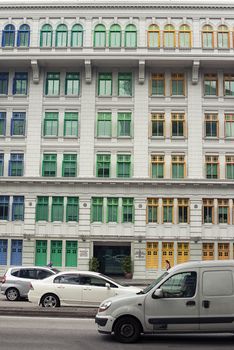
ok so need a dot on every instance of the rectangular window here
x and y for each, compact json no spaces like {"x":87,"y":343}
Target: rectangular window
{"x":18,"y":124}
{"x":71,"y":124}
{"x":157,"y":166}
{"x":152,"y":255}
{"x":18,"y":208}
{"x":20,"y":84}
{"x":103,"y":165}
{"x":72,"y":209}
{"x":16,"y":252}
{"x":168,"y":206}
{"x":229,"y":125}
{"x":158,"y":84}
{"x":124,"y":124}
{"x":1,"y":164}
{"x":56,"y":252}
{"x":72,"y":84}
{"x":112,"y":209}
{"x":97,"y":209}
{"x":69,"y":165}
{"x":2,"y":123}
{"x":211,"y":125}
{"x":71,"y":254}
{"x":182,"y":252}
{"x":51,"y":124}
{"x":230,"y":167}
{"x":167,"y":254}
{"x":41,"y":253}
{"x":223,"y":211}
{"x":152,"y":210}
{"x":104,"y":124}
{"x":158,"y":122}
{"x":127,"y":210}
{"x":229,"y":85}
{"x":42,"y":208}
{"x":49,"y":165}
{"x":208,"y":251}
{"x":212,"y":167}
{"x":4,"y":207}
{"x":52,"y":87}
{"x":178,"y":167}
{"x":104,"y":84}
{"x":123,"y":165}
{"x":3,"y":251}
{"x":210,"y":85}
{"x":208,"y":211}
{"x":178,"y":125}
{"x":125,"y":84}
{"x":4,"y":83}
{"x":223,"y":251}
{"x":16,"y":164}
{"x":57,"y":209}
{"x":183,"y":211}
{"x":177,"y":85}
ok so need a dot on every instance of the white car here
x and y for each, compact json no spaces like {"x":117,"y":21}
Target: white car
{"x":76,"y":288}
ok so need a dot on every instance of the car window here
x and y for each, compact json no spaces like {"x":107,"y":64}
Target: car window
{"x":94,"y":281}
{"x":181,"y":285}
{"x":41,"y":274}
{"x":67,"y":279}
{"x":15,"y":273}
{"x":28,"y":273}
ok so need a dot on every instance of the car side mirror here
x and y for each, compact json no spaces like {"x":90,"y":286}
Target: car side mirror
{"x":158,"y":294}
{"x":108,"y":285}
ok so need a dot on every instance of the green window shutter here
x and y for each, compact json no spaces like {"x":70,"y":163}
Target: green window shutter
{"x":61,"y":36}
{"x":51,"y":124}
{"x":41,"y":253}
{"x":46,"y":36}
{"x":115,"y":36}
{"x":105,"y":84}
{"x":69,"y":168}
{"x":123,"y":165}
{"x":125,"y":84}
{"x":157,"y":171}
{"x":71,"y":124}
{"x":230,"y":171}
{"x":103,"y":165}
{"x":56,"y":253}
{"x":72,"y":210}
{"x":72,"y":84}
{"x":99,"y":36}
{"x":71,"y":254}
{"x":77,"y":36}
{"x":52,"y":87}
{"x":97,"y":209}
{"x":42,"y":208}
{"x":167,"y":214}
{"x":57,"y":209}
{"x":104,"y":124}
{"x":49,"y":166}
{"x":112,"y":209}
{"x":130,"y":36}
{"x":124,"y":124}
{"x":127,"y":210}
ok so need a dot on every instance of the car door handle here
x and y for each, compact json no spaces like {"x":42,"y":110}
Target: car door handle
{"x":206,"y":304}
{"x":60,"y":287}
{"x":190,"y":303}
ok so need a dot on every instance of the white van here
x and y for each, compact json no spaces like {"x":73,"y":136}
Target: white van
{"x":191,"y":297}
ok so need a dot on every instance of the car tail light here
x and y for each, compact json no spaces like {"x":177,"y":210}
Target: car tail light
{"x":4,"y":279}
{"x":31,"y":287}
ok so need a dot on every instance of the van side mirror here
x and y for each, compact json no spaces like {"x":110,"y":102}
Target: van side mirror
{"x":158,"y":294}
{"x":108,"y":285}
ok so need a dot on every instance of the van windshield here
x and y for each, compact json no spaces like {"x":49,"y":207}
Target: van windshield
{"x":154,"y":283}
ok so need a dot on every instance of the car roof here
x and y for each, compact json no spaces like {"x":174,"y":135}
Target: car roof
{"x":80,"y":273}
{"x":30,"y":267}
{"x":200,"y":264}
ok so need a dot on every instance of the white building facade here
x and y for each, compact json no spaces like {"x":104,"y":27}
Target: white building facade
{"x":116,"y":133}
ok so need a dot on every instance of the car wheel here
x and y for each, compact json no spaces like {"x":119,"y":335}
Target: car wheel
{"x":12,"y":294}
{"x":127,"y":330}
{"x":50,"y":300}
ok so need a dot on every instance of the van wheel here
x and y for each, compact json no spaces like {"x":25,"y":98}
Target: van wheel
{"x":12,"y":294}
{"x":127,"y":330}
{"x":50,"y":300}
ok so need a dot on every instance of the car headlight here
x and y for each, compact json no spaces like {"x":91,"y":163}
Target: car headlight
{"x":104,"y":306}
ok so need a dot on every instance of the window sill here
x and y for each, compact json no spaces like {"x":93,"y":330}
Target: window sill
{"x":19,"y":95}
{"x":6,"y":48}
{"x":177,"y":96}
{"x":211,"y":96}
{"x":18,"y":136}
{"x":158,"y":96}
{"x":104,"y":96}
{"x":23,"y":48}
{"x":52,"y":96}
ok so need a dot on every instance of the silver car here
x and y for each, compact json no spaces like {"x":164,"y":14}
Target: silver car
{"x":16,"y":280}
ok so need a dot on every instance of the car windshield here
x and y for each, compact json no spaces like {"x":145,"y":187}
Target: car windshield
{"x":110,"y":279}
{"x":154,"y":283}
{"x":55,"y":270}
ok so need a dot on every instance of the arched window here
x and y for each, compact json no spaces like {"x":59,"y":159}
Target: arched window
{"x":77,"y":36}
{"x":184,"y":36}
{"x":23,"y":36}
{"x":223,"y":37}
{"x":99,"y":39}
{"x":153,"y":36}
{"x":115,"y":36}
{"x":61,"y":36}
{"x":46,"y":37}
{"x":207,"y":37}
{"x":169,"y":36}
{"x":130,"y":36}
{"x":8,"y":36}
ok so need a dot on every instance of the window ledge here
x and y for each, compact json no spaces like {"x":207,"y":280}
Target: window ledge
{"x":52,"y":96}
{"x":19,"y":95}
{"x":23,"y":48}
{"x":104,"y":96}
{"x":211,"y":96}
{"x":159,"y":96}
{"x":6,"y":48}
{"x":177,"y":96}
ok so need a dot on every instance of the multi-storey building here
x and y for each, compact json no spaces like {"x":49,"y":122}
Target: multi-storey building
{"x":116,"y":133}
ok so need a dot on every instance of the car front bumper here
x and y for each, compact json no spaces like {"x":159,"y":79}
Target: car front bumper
{"x":104,"y":323}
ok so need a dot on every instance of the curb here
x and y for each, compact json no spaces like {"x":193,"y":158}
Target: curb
{"x":32,"y":312}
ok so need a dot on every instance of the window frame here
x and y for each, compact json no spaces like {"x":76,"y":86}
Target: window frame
{"x":49,"y":159}
{"x":4,"y":81}
{"x":103,"y":164}
{"x":213,"y":161}
{"x":21,"y":79}
{"x":152,"y":211}
{"x":23,"y":36}
{"x":18,"y":205}
{"x":157,"y":160}
{"x":16,"y":164}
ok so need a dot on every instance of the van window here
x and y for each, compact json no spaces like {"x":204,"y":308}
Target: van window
{"x":217,"y":283}
{"x":181,"y":285}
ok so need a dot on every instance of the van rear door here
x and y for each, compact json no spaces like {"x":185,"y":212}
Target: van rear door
{"x":217,"y":299}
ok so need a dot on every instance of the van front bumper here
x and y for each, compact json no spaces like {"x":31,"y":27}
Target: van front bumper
{"x":104,"y":323}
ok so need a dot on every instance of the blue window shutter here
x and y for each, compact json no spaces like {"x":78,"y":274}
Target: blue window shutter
{"x":12,"y":125}
{"x":14,"y":86}
{"x":28,"y":38}
{"x":9,"y":168}
{"x":18,"y":38}
{"x":3,"y":39}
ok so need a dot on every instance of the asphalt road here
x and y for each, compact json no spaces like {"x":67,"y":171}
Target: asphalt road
{"x":78,"y":334}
